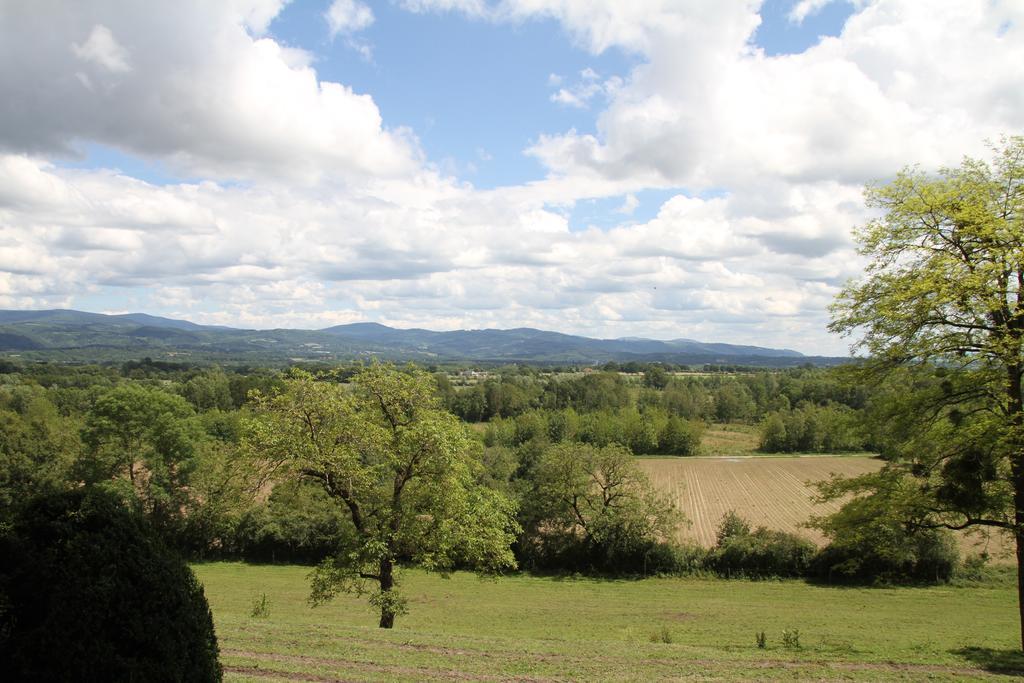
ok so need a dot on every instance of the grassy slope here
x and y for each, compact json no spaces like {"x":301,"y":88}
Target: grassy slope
{"x":529,"y":628}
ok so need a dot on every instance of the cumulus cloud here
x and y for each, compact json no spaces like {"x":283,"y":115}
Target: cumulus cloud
{"x":339,"y":217}
{"x":900,"y":85}
{"x":192,"y":83}
{"x":449,"y":257}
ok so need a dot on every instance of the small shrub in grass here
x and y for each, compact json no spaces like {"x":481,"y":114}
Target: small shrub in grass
{"x":260,"y":607}
{"x":973,"y":567}
{"x":662,"y":635}
{"x":89,"y":592}
{"x":762,"y":640}
{"x":791,"y":639}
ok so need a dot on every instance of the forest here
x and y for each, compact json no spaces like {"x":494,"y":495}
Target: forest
{"x":175,"y":442}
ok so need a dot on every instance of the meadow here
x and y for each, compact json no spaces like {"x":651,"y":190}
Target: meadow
{"x":530,"y":628}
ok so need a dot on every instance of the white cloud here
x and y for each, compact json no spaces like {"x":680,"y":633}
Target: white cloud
{"x":900,"y":85}
{"x":204,"y":92}
{"x":426,"y":252}
{"x":629,"y":205}
{"x":101,"y":48}
{"x":805,"y":8}
{"x":348,"y":16}
{"x":340,"y":217}
{"x":591,"y":85}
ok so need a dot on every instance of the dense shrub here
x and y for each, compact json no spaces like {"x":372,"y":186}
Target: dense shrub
{"x":646,"y":557}
{"x":298,"y":523}
{"x":927,"y":555}
{"x":88,"y":591}
{"x":760,"y":553}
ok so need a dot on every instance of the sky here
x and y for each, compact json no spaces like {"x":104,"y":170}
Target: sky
{"x":651,"y":168}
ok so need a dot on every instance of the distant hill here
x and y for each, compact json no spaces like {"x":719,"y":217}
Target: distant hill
{"x":80,"y":336}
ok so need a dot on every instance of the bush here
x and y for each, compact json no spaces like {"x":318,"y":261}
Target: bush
{"x":761,"y":553}
{"x":567,"y":555}
{"x":732,"y":524}
{"x":897,"y":556}
{"x":298,"y":523}
{"x":88,"y":591}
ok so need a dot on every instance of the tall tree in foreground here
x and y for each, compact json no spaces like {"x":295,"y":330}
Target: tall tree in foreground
{"x":406,"y":472}
{"x":943,"y":302}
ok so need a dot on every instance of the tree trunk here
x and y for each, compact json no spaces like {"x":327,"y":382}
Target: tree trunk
{"x":1016,"y":409}
{"x":387,"y":582}
{"x":1020,"y":576}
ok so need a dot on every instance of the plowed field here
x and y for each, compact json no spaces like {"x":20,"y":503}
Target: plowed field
{"x":774,"y":492}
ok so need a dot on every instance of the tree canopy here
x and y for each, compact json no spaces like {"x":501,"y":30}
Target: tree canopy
{"x":407,"y":473}
{"x":941,"y":310}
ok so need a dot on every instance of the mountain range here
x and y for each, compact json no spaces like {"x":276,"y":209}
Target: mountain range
{"x":80,"y":336}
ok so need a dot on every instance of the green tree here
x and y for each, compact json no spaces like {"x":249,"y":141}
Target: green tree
{"x":945,"y":288}
{"x":599,"y":500}
{"x":209,"y":390}
{"x":142,"y":440}
{"x":37,"y":447}
{"x":873,"y":535}
{"x":733,"y":402}
{"x":656,"y":377}
{"x":405,"y":471}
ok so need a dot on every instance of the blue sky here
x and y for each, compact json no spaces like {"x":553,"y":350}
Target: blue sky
{"x":662,"y":168}
{"x":476,"y":93}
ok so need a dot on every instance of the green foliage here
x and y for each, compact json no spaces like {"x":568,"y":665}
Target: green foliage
{"x":874,"y":536}
{"x":209,"y":390}
{"x":143,"y":442}
{"x":733,"y":401}
{"x":37,"y":446}
{"x":642,"y":432}
{"x":791,"y":638}
{"x":656,"y":377}
{"x":405,"y":471}
{"x":299,"y":522}
{"x":732,"y":525}
{"x":760,"y":553}
{"x":761,"y":639}
{"x":943,"y":303}
{"x":680,"y":436}
{"x":592,"y":508}
{"x":260,"y":607}
{"x":91,"y":593}
{"x":811,"y":428}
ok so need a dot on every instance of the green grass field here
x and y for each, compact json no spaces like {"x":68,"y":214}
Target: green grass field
{"x":543,"y":629}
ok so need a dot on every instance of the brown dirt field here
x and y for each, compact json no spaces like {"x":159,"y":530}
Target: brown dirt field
{"x":774,"y":492}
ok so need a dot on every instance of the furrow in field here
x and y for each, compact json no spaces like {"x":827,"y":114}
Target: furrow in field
{"x":774,"y":492}
{"x":771,"y":492}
